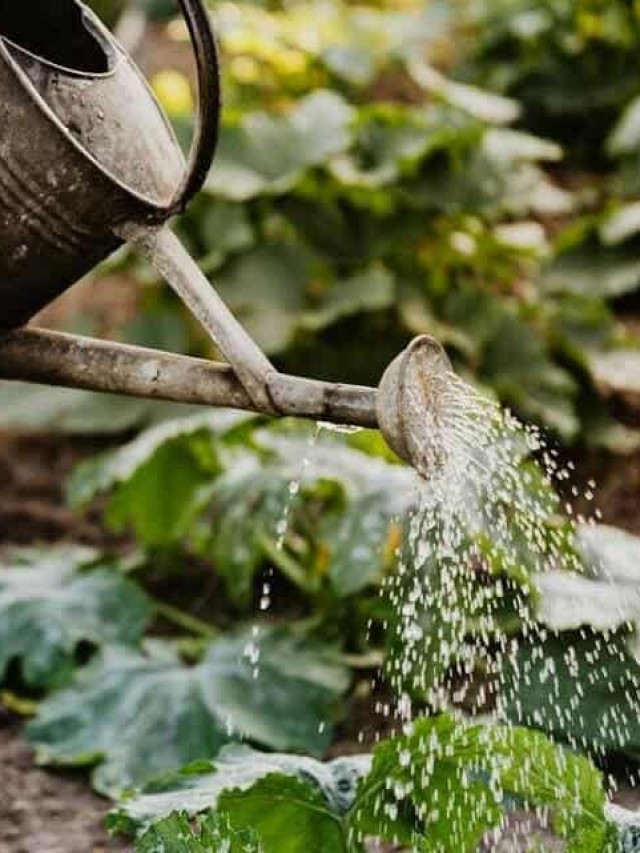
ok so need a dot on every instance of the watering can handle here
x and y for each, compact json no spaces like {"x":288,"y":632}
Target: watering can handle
{"x":207,"y":129}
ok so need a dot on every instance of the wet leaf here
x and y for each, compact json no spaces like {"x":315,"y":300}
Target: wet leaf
{"x":441,"y":785}
{"x":212,"y":835}
{"x":579,"y":687}
{"x":136,"y":714}
{"x":52,"y":601}
{"x":444,"y":783}
{"x":268,"y":793}
{"x":361,"y":543}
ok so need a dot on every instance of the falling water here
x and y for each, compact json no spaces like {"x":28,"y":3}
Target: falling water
{"x":481,"y":521}
{"x":485,"y":523}
{"x":293,"y":486}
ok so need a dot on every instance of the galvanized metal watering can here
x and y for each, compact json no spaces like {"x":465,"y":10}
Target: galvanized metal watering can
{"x":88,"y":161}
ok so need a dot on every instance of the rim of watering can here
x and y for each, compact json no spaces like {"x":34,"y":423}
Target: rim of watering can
{"x":114,"y":53}
{"x":155,"y":208}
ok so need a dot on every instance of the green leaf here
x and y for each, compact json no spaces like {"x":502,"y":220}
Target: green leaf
{"x":40,"y":408}
{"x":609,"y":553}
{"x":568,"y":601}
{"x":485,"y":106}
{"x":223,"y":229}
{"x":199,"y":787}
{"x":248,"y":502}
{"x":390,"y":142}
{"x":448,"y":781}
{"x":625,"y":137}
{"x":137,"y":714}
{"x":161,"y":479}
{"x":371,"y":290}
{"x":440,"y":787}
{"x":356,"y":541}
{"x":348,"y":497}
{"x":213,"y":834}
{"x":288,"y":815}
{"x":52,"y":600}
{"x":580,"y":687}
{"x":621,"y":225}
{"x":266,"y":288}
{"x":517,"y":364}
{"x":616,"y":375}
{"x":104,"y":472}
{"x":593,"y":270}
{"x":264,"y":154}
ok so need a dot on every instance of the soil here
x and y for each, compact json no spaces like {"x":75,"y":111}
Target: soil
{"x":44,"y":812}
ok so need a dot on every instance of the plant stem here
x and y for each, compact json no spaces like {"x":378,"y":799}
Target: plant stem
{"x":185,"y":620}
{"x":289,"y":567}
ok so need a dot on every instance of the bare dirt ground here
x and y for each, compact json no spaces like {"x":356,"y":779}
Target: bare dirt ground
{"x":42,"y":812}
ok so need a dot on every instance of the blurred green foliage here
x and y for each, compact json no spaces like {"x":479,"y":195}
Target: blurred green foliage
{"x":361,"y":196}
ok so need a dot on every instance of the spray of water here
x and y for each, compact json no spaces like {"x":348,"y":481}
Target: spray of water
{"x":484,"y":525}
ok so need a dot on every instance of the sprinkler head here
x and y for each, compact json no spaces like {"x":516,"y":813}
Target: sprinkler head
{"x":411,"y":404}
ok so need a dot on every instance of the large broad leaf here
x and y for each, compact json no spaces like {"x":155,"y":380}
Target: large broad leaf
{"x":137,"y":714}
{"x":269,"y":154}
{"x":40,"y":408}
{"x":250,"y":503}
{"x":516,"y":363}
{"x":361,"y":542}
{"x":625,"y":137}
{"x":610,"y":553}
{"x":224,"y":229}
{"x":580,"y":687}
{"x":621,"y":225}
{"x":161,"y":478}
{"x":607,"y":596}
{"x":371,"y":290}
{"x":483,"y":105}
{"x":441,"y":787}
{"x":391,"y":141}
{"x":289,"y":801}
{"x":616,"y":375}
{"x":51,"y":602}
{"x":350,"y":499}
{"x":568,"y":601}
{"x":267,"y":289}
{"x":593,"y":270}
{"x":176,"y":834}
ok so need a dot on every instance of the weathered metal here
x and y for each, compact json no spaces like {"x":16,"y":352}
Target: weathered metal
{"x":84,"y":146}
{"x":88,"y":161}
{"x":54,"y":358}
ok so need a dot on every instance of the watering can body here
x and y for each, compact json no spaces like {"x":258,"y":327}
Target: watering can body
{"x":82,"y":150}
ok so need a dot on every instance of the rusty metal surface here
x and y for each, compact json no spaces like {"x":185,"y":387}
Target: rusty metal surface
{"x":83,"y":151}
{"x":35,"y":355}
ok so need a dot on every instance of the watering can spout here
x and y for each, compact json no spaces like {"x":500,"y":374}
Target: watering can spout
{"x":411,"y":403}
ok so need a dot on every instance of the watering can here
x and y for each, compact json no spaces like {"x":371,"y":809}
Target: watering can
{"x":88,"y":161}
